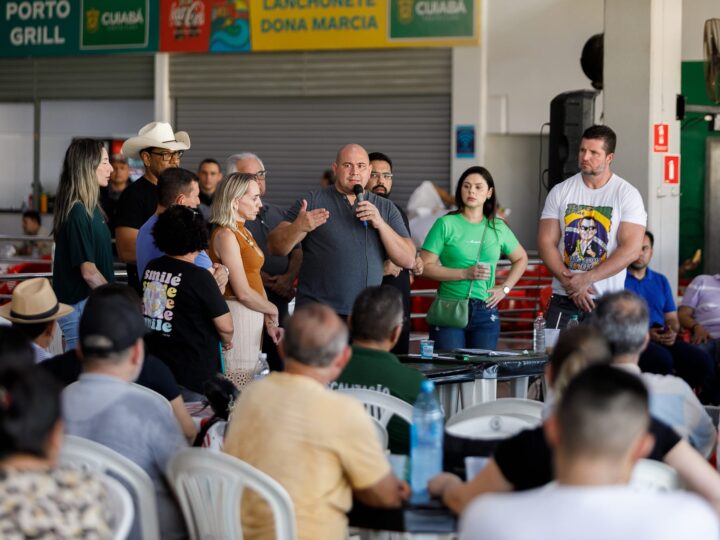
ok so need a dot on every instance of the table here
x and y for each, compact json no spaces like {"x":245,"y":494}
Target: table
{"x":454,"y":379}
{"x":432,"y":518}
{"x":486,"y":370}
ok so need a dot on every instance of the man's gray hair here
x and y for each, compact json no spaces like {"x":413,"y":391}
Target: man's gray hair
{"x":314,"y":335}
{"x":623,"y":318}
{"x":231,"y":163}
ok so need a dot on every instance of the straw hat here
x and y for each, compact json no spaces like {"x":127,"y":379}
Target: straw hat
{"x":157,"y":135}
{"x":34,"y":301}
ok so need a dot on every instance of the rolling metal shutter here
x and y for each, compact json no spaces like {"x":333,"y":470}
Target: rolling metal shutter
{"x":85,"y":77}
{"x":295,"y":110}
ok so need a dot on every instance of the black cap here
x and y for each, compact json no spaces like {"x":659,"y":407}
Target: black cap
{"x":110,"y":325}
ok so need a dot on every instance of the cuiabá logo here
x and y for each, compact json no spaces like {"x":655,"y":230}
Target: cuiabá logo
{"x":405,"y":11}
{"x":92,"y":20}
{"x":113,"y":20}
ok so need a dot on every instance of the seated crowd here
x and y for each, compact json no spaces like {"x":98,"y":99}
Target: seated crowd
{"x":211,"y":269}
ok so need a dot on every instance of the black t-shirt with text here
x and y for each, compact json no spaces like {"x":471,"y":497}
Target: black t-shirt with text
{"x":180,"y":301}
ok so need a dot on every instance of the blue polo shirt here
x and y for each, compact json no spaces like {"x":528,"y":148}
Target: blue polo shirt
{"x":655,"y":289}
{"x":146,"y":250}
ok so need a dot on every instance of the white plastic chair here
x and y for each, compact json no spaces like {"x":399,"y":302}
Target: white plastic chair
{"x":381,"y":431}
{"x":650,"y":475}
{"x":527,"y":410}
{"x":89,"y":455}
{"x":380,"y":406}
{"x":209,"y":486}
{"x":121,"y":506}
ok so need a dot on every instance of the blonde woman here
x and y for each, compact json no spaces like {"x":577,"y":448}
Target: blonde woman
{"x":236,"y":200}
{"x":83,"y":248}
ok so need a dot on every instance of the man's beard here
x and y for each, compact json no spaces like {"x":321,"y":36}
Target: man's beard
{"x":381,"y":193}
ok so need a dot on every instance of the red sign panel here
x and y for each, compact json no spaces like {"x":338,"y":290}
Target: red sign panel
{"x":660,"y":137}
{"x":671,"y":174}
{"x":184,"y":25}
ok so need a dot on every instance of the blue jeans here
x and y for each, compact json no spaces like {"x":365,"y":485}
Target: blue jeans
{"x":481,"y":332}
{"x":69,"y":324}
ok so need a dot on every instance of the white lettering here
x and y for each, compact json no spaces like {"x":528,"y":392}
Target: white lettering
{"x":37,"y":9}
{"x":440,"y":7}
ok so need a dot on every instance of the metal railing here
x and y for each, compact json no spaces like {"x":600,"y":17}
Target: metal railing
{"x":507,"y":315}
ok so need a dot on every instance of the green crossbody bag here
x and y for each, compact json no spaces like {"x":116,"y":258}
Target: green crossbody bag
{"x":453,"y":313}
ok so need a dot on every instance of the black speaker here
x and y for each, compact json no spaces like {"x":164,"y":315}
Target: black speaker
{"x":571,"y":113}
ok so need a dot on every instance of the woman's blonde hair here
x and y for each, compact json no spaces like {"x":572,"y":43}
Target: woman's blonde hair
{"x":78,"y":180}
{"x":232,"y":187}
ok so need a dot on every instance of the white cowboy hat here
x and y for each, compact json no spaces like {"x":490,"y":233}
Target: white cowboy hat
{"x":157,"y":135}
{"x":33,"y":301}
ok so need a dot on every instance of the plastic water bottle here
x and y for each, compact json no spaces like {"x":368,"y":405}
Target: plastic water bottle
{"x":262,"y":368}
{"x":426,"y":442}
{"x":539,"y":334}
{"x":573,"y":322}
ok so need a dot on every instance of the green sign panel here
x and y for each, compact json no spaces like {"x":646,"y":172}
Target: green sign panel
{"x":114,"y":24}
{"x":432,"y":19}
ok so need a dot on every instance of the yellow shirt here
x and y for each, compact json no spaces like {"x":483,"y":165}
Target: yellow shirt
{"x":319,"y":444}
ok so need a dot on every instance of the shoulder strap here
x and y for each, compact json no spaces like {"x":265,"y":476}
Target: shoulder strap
{"x":477,"y":258}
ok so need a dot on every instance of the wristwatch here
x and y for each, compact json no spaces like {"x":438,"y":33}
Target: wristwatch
{"x":506,"y":289}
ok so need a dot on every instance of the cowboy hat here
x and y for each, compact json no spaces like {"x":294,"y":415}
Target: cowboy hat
{"x":156,"y":135}
{"x":33,"y":301}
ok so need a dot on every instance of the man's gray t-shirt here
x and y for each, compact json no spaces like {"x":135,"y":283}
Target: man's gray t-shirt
{"x":113,"y":413}
{"x":342,"y":257}
{"x":269,"y":217}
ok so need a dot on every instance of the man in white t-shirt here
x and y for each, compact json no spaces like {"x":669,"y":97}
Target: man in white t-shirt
{"x":591,"y":229}
{"x":599,"y":432}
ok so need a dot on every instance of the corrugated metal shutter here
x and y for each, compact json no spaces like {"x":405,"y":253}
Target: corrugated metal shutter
{"x":296,"y":109}
{"x":297,"y":138}
{"x":86,"y":77}
{"x":317,"y":73}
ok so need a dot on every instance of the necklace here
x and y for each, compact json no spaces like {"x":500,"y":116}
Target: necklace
{"x":249,"y":240}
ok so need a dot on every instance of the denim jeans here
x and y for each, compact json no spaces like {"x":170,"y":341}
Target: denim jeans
{"x":69,"y":324}
{"x":481,"y":332}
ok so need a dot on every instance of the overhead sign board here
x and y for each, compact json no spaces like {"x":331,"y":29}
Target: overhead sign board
{"x":76,"y":27}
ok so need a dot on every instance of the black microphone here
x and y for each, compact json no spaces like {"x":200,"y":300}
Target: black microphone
{"x":360,"y":194}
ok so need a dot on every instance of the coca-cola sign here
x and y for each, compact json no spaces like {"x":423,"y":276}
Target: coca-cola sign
{"x":187,"y":17}
{"x":184,"y":25}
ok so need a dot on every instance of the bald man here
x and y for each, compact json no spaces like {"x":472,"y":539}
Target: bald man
{"x":317,"y":443}
{"x":345,"y":238}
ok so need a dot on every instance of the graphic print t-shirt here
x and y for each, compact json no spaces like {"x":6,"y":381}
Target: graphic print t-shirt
{"x":180,"y":301}
{"x":589,"y":221}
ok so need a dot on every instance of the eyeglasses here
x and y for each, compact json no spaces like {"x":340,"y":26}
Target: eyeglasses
{"x":590,"y":228}
{"x":260,"y":174}
{"x":385,"y":175}
{"x":167,"y":156}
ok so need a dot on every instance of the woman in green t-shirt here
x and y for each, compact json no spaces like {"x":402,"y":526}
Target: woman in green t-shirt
{"x":83,"y":247}
{"x":461,"y":251}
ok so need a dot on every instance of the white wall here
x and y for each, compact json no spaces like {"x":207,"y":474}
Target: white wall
{"x":60,"y":121}
{"x":16,"y":153}
{"x":534,"y":49}
{"x":513,"y":162}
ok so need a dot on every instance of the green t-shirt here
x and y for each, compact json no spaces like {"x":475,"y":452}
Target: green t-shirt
{"x":80,"y":239}
{"x":381,"y":371}
{"x":456,"y":242}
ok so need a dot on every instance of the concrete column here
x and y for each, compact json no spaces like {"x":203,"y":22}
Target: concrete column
{"x":643,"y":44}
{"x":163,"y":106}
{"x":469,"y":97}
